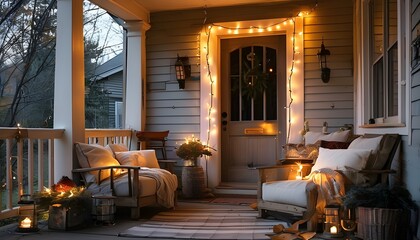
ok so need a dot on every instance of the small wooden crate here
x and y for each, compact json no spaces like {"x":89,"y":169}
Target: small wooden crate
{"x":67,"y":218}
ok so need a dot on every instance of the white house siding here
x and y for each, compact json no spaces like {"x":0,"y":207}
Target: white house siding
{"x":411,"y":153}
{"x":330,"y":102}
{"x":172,"y":33}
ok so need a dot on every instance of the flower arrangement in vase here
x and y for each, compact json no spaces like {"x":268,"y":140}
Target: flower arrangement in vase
{"x":192,"y":149}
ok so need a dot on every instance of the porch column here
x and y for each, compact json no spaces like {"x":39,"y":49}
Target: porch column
{"x":69,"y":94}
{"x":135,"y":97}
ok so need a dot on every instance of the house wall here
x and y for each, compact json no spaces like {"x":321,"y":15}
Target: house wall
{"x":332,"y":102}
{"x":172,"y":33}
{"x":113,"y":84}
{"x":411,"y":152}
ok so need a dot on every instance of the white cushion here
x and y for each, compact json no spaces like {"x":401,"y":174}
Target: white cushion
{"x":312,"y":137}
{"x":142,"y":158}
{"x":116,"y":148}
{"x":338,"y":159}
{"x":366,"y":143}
{"x":339,"y":136}
{"x":147,"y":187}
{"x":288,"y":192}
{"x":344,"y":160}
{"x":150,"y":156}
{"x":131,"y":158}
{"x":92,"y":155}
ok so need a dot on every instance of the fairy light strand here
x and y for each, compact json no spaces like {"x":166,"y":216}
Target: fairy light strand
{"x":235,"y":30}
{"x":211,"y":83}
{"x":289,"y":106}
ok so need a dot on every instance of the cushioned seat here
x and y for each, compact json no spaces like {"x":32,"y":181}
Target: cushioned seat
{"x":336,"y":167}
{"x":133,"y":177}
{"x":290,"y":192}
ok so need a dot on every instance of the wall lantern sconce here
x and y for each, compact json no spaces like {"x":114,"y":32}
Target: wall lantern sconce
{"x":27,"y":220}
{"x":182,"y":70}
{"x":322,"y":57}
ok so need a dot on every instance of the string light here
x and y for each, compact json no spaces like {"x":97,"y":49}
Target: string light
{"x":238,"y":30}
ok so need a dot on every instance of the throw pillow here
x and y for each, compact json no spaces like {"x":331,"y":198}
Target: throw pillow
{"x":92,"y":155}
{"x":334,"y":144}
{"x":131,"y":158}
{"x":366,"y":143}
{"x":312,"y":137}
{"x":339,"y":136}
{"x":343,"y":160}
{"x":116,"y":148}
{"x":150,"y":156}
{"x":370,"y":144}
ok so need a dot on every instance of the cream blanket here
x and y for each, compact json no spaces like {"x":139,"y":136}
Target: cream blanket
{"x":330,"y":185}
{"x":167,"y":183}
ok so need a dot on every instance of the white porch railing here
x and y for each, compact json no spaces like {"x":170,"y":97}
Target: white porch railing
{"x":27,"y":160}
{"x":109,"y":136}
{"x":27,"y":164}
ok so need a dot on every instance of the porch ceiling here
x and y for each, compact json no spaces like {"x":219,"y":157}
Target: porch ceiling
{"x":140,"y":9}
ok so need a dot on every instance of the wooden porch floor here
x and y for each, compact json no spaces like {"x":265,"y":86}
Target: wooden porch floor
{"x":122,"y":222}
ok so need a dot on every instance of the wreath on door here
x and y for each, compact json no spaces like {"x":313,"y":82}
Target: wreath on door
{"x":254,"y":81}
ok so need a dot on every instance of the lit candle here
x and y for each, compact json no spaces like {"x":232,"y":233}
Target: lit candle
{"x":333,"y":230}
{"x":298,"y":177}
{"x":25,"y":223}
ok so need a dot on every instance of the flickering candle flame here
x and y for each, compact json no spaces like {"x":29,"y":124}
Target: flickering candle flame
{"x":26,"y":223}
{"x":333,"y":230}
{"x":299,"y":171}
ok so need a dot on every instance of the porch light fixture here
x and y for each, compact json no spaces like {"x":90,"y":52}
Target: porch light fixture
{"x":182,"y":70}
{"x":322,"y":57}
{"x":27,"y":220}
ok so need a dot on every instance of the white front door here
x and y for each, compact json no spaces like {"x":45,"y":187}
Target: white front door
{"x":253,"y":83}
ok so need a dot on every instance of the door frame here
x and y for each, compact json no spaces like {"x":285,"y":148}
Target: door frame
{"x":210,"y":127}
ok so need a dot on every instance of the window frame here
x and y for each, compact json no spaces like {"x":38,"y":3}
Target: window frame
{"x":363,"y":71}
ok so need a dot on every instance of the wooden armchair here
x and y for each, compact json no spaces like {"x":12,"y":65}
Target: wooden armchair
{"x":281,"y":194}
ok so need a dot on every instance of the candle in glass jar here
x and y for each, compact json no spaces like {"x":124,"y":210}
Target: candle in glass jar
{"x":26,"y":223}
{"x":333,"y":230}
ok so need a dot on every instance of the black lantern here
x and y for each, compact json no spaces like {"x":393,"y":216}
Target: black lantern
{"x":182,"y":70}
{"x":332,"y":225}
{"x":322,"y":57}
{"x":27,"y":220}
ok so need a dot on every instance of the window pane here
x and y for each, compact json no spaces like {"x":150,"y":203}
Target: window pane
{"x":377,"y":27}
{"x":258,"y":98}
{"x":246,"y":101}
{"x":378,"y":89}
{"x":234,"y":85}
{"x":392,"y":22}
{"x":271,"y":91}
{"x":393,"y":81}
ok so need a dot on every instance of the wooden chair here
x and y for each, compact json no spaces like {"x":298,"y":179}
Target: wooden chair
{"x":153,"y":140}
{"x":157,"y":141}
{"x":379,"y":172}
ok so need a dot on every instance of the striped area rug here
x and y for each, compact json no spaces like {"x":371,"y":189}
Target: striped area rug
{"x":211,"y":223}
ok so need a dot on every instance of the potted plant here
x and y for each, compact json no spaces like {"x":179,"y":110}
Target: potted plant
{"x":192,"y":173}
{"x":382,"y":212}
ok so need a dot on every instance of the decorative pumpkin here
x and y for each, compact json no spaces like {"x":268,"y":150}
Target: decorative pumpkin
{"x":64,"y":184}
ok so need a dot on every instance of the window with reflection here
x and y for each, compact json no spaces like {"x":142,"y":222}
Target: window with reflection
{"x":253,"y":79}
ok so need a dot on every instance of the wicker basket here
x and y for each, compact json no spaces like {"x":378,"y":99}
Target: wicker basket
{"x":380,"y":223}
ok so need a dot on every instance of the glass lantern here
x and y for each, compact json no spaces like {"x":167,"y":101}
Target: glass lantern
{"x":103,"y":209}
{"x":27,"y":220}
{"x":332,"y":225}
